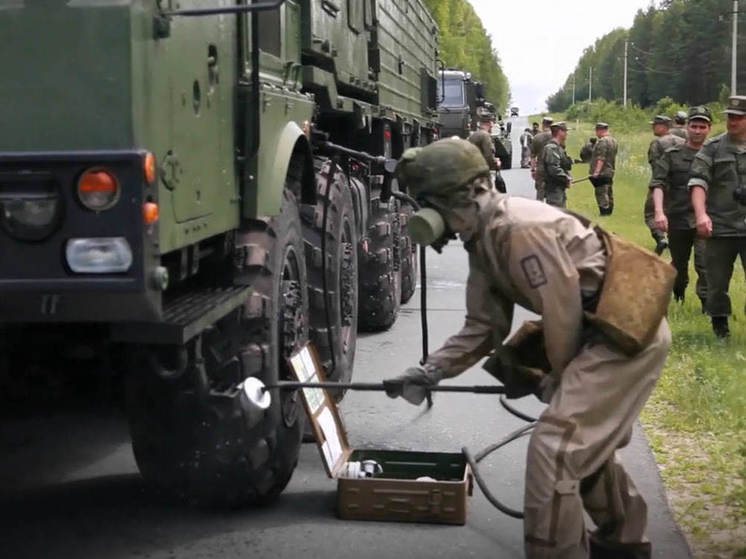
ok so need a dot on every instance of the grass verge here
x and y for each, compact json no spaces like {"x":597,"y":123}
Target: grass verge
{"x":696,"y":418}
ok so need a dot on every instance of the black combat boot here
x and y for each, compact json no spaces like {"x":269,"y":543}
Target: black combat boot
{"x":704,"y":304}
{"x":601,"y":549}
{"x":720,"y":326}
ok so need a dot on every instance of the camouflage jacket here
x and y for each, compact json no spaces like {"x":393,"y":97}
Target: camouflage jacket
{"x":537,"y":146}
{"x":604,"y":150}
{"x":661,"y":144}
{"x":720,"y":168}
{"x":483,"y":141}
{"x":586,"y":151}
{"x":671,"y":175}
{"x":555,"y":164}
{"x":679,"y":132}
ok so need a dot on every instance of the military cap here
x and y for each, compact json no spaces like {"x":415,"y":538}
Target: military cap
{"x":485,"y":116}
{"x":441,"y":168}
{"x":736,"y":105}
{"x":701,"y":112}
{"x":661,"y":119}
{"x":561,"y":125}
{"x":601,"y":125}
{"x":547,"y":120}
{"x":680,"y":117}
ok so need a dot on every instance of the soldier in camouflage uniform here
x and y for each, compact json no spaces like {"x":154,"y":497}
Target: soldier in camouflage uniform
{"x":482,"y":138}
{"x":526,"y":140}
{"x":603,"y":163}
{"x":676,"y":215}
{"x":534,"y":128}
{"x":679,"y":125}
{"x":718,"y":196}
{"x":555,"y":166}
{"x":537,"y":146}
{"x":662,"y":141}
{"x":552,"y":263}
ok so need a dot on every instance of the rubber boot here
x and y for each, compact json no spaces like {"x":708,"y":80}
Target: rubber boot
{"x":661,"y":245}
{"x":720,"y":326}
{"x":610,"y":550}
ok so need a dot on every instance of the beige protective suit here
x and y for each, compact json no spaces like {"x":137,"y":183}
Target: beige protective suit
{"x":547,"y":261}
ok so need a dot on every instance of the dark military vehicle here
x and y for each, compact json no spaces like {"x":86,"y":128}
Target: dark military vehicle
{"x":458,"y":99}
{"x":195,"y":188}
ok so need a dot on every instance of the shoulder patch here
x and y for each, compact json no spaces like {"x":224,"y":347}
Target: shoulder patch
{"x":534,"y":271}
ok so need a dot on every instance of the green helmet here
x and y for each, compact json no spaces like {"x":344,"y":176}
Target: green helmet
{"x":442,"y":168}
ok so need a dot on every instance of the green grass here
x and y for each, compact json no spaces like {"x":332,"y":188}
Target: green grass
{"x":696,"y":418}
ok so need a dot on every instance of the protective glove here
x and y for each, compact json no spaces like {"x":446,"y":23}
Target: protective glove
{"x":414,"y":385}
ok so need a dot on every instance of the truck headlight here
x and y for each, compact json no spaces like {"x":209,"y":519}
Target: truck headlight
{"x":29,"y":216}
{"x":103,"y":255}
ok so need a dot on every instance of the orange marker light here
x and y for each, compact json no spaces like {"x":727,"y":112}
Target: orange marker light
{"x":149,"y":213}
{"x":148,"y":167}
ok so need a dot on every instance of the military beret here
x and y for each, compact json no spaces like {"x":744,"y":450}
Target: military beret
{"x":661,"y":119}
{"x":701,"y":112}
{"x":561,"y":125}
{"x":601,"y":125}
{"x":736,"y":105}
{"x":441,"y":168}
{"x":547,"y":119}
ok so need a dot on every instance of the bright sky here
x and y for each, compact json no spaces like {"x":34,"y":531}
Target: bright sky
{"x":540,"y":41}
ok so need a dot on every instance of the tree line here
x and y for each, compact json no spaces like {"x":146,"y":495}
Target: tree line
{"x":678,"y":48}
{"x":465,"y":44}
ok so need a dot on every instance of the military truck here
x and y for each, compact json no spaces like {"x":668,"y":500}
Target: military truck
{"x":458,"y":99}
{"x":197,"y":187}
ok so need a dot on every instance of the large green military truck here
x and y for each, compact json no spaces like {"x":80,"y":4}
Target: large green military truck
{"x":195,"y":188}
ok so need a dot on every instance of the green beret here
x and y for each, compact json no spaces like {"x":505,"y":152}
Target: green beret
{"x":440,"y":168}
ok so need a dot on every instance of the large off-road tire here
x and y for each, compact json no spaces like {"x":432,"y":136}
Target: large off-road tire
{"x":191,"y":435}
{"x":331,"y":259}
{"x":408,"y":256}
{"x":380,"y":277}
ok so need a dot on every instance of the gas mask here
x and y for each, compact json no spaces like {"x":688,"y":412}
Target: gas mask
{"x":428,"y":228}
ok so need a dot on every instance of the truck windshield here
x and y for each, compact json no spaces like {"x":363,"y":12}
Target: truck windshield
{"x":454,"y":93}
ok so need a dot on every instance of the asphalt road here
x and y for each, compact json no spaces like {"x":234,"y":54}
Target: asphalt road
{"x":69,"y":487}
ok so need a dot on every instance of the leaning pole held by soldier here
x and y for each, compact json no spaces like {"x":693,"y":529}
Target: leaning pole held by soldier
{"x":718,"y":193}
{"x":676,"y":216}
{"x":602,"y":302}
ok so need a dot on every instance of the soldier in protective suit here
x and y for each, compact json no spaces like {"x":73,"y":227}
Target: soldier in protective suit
{"x":551,"y":262}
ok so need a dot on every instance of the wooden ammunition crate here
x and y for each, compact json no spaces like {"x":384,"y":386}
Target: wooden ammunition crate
{"x":396,"y":494}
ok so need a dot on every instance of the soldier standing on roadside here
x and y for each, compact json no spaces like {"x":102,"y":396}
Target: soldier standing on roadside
{"x":482,"y":138}
{"x":676,"y":216}
{"x":603,"y":162}
{"x":526,"y":139}
{"x":555,"y":166}
{"x":534,"y":128}
{"x":679,"y":125}
{"x":662,"y":141}
{"x":540,"y":140}
{"x":718,"y":193}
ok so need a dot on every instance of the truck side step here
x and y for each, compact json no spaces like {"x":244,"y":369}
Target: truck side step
{"x":184,"y":317}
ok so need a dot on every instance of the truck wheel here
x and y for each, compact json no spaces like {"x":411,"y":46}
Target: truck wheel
{"x":331,"y":260}
{"x":408,"y":252}
{"x":380,"y":274}
{"x":191,"y":436}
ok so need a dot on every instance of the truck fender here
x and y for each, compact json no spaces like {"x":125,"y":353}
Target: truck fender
{"x":273,"y":164}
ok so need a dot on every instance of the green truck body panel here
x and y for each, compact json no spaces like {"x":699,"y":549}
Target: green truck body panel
{"x":88,"y":77}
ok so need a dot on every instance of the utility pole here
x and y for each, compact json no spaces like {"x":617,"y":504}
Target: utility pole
{"x":734,"y":48}
{"x":626,"y":44}
{"x":573,"y":88}
{"x":590,"y":84}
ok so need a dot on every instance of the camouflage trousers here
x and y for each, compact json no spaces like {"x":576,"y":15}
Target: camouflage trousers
{"x":525,"y":157}
{"x":603,"y":188}
{"x":680,"y":244}
{"x":556,"y":196}
{"x":720,"y":256}
{"x":648,"y":213}
{"x":540,"y":192}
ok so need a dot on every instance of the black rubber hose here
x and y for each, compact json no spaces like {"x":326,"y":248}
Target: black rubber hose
{"x":423,"y":303}
{"x":483,"y":486}
{"x":516,"y":412}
